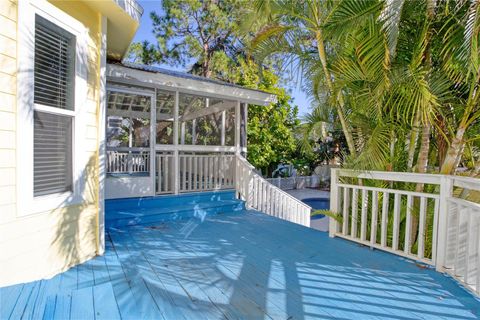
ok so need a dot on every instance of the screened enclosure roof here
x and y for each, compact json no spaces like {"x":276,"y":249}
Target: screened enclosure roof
{"x":149,"y":76}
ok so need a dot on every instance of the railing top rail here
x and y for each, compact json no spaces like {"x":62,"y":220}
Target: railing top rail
{"x":466,"y":203}
{"x":392,"y":191}
{"x":391,"y":176}
{"x":428,"y":178}
{"x":466,"y":182}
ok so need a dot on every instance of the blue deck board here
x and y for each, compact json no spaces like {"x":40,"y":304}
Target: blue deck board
{"x":121,"y":288}
{"x":104,"y":302}
{"x":236,"y":266}
{"x":215,"y":289}
{"x":83,"y":304}
{"x":145,"y":305}
{"x":8,"y":299}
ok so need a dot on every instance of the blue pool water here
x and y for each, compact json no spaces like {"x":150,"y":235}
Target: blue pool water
{"x":318,"y":204}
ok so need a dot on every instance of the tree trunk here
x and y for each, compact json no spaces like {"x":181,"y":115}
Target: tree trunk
{"x":412,"y":145}
{"x":422,"y":164}
{"x":448,"y":165}
{"x":340,"y":105}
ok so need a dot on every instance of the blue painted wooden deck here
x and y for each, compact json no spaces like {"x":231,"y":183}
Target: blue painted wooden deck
{"x":242,"y":265}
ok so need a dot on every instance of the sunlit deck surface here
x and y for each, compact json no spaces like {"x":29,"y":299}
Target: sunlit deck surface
{"x":238,"y":266}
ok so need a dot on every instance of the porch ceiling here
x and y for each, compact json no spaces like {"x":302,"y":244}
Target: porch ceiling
{"x":171,"y":80}
{"x":239,"y":266}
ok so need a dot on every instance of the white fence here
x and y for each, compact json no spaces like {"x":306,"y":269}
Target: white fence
{"x":439,"y":227}
{"x":130,"y":162}
{"x":261,"y":195}
{"x":299,"y":182}
{"x":206,"y":172}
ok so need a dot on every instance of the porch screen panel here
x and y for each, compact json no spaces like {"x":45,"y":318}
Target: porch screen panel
{"x":165,"y":108}
{"x":203,"y":121}
{"x":52,"y":154}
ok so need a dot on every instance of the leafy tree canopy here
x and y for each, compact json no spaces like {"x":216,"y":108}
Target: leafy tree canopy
{"x":207,"y":37}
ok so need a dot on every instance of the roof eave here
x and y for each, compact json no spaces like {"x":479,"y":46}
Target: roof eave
{"x":124,"y":74}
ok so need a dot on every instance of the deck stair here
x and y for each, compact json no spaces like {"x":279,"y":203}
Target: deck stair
{"x":128,"y":212}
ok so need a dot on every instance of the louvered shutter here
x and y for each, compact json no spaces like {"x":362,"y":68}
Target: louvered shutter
{"x":53,"y":87}
{"x":54,"y":65}
{"x":52,"y":153}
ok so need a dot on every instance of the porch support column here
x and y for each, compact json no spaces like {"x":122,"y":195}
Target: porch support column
{"x":222,"y":139}
{"x":153,"y":141}
{"x":237,"y":128}
{"x":194,"y":131}
{"x":176,"y":163}
{"x":102,"y":151}
{"x":243,"y":129}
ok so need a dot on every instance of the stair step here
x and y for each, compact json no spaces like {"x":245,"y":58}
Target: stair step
{"x":147,"y":214}
{"x":169,"y":200}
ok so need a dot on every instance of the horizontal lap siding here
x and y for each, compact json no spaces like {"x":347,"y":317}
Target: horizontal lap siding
{"x":8,"y":62}
{"x":45,"y":243}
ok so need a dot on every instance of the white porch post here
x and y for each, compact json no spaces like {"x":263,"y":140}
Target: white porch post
{"x":102,"y":151}
{"x":237,"y":128}
{"x":446,"y":189}
{"x":334,"y":202}
{"x":153,"y":141}
{"x":176,"y":163}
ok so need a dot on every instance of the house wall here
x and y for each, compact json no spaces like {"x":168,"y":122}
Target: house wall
{"x":42,"y":244}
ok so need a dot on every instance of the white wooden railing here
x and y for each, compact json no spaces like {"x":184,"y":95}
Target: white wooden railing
{"x":164,"y":173}
{"x":206,"y":172}
{"x":446,"y":234}
{"x":128,"y":162}
{"x":261,"y":195}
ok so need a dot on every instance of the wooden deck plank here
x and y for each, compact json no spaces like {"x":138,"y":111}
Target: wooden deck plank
{"x":205,"y":285}
{"x":100,"y":271}
{"x":250,"y":272}
{"x":82,"y":304}
{"x":256,"y":257}
{"x":85,"y":275}
{"x":51,"y":288}
{"x":239,"y":265}
{"x":121,"y":288}
{"x":8,"y":299}
{"x":49,"y":310}
{"x":162,"y":284}
{"x":63,"y":306}
{"x":105,"y":303}
{"x":27,"y":295}
{"x":145,"y":304}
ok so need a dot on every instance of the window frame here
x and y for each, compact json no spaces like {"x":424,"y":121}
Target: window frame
{"x":27,"y":203}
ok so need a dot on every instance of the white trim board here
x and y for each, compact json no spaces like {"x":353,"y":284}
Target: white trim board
{"x":26,"y":202}
{"x":125,"y":75}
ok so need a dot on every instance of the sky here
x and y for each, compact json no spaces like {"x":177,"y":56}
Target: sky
{"x":144,"y":32}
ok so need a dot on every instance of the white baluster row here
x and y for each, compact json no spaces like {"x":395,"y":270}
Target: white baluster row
{"x":206,"y":172}
{"x":263,"y":196}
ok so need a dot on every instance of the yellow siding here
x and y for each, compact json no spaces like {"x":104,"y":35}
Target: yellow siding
{"x":43,"y":244}
{"x":8,"y":35}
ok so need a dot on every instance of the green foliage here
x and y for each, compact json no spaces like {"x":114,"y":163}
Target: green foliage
{"x":208,"y":36}
{"x":270,"y":128}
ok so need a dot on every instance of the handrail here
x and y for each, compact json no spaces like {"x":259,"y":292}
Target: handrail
{"x":261,"y":195}
{"x":446,"y":229}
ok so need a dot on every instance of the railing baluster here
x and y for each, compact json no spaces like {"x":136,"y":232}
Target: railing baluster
{"x":346,"y":210}
{"x":363,"y":229}
{"x":374,"y":221}
{"x":408,"y":224}
{"x":421,"y":227}
{"x":396,"y":221}
{"x":354,"y":223}
{"x":384,"y":224}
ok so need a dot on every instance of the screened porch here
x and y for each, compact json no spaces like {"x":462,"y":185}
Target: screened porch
{"x":169,"y":133}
